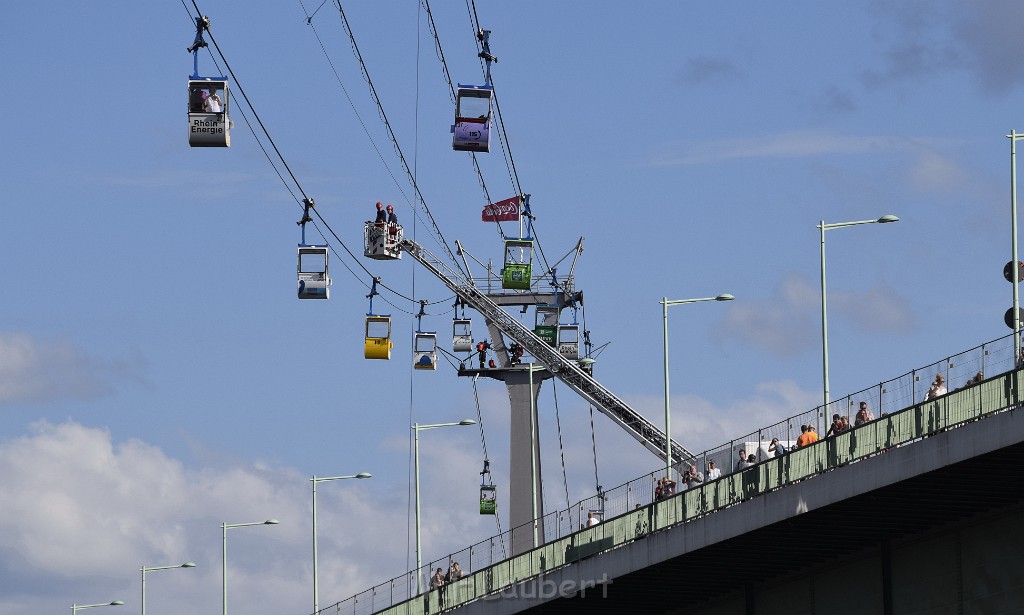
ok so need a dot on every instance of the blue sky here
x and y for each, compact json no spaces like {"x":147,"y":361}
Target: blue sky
{"x":158,"y":376}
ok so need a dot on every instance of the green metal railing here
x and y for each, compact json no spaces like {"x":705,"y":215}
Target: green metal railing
{"x":631,"y":514}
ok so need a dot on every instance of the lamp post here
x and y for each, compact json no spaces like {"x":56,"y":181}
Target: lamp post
{"x":1013,"y":136}
{"x":416,"y":429}
{"x":665,"y":303}
{"x":224,"y":560}
{"x":78,"y":607}
{"x":146,"y":569}
{"x":822,"y":227}
{"x":314,"y":481}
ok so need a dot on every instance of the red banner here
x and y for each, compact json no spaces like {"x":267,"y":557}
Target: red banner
{"x":502,"y":211}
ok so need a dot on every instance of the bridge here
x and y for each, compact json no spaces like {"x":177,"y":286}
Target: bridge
{"x":917,"y":511}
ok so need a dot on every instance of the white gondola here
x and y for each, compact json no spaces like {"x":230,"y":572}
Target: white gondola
{"x":381,"y":241}
{"x":462,"y":335}
{"x":569,"y":341}
{"x":425,"y":350}
{"x":313,"y":278}
{"x":209,"y":122}
{"x":472,"y":129}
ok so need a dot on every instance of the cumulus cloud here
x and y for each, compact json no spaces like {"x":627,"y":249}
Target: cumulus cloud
{"x":778,"y":324}
{"x":700,"y":425}
{"x":35,"y":370}
{"x":81,"y":512}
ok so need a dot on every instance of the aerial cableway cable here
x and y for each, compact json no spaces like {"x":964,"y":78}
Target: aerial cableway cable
{"x":451,"y":94}
{"x":394,"y":140}
{"x":506,"y":146}
{"x":301,"y":196}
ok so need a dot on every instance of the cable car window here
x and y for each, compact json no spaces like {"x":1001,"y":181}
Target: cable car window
{"x":378,"y":328}
{"x":426,"y":342}
{"x":313,"y":262}
{"x":474,"y":105}
{"x":207,"y":97}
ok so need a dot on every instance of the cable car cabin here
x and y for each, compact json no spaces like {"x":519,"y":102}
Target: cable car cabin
{"x":472,"y":129}
{"x":425,"y":351}
{"x":518,"y":264}
{"x":314,"y":282}
{"x":569,"y":341}
{"x":208,"y":120}
{"x":378,"y":337}
{"x":462,"y":335}
{"x":381,"y":241}
{"x":488,"y":500}
{"x":546,"y":324}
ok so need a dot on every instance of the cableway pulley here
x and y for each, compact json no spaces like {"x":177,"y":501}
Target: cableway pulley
{"x":208,"y":120}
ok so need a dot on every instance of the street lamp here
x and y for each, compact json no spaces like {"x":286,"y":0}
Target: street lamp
{"x":665,"y":302}
{"x":146,"y":569}
{"x":224,"y":567}
{"x":822,"y":227}
{"x":416,"y":429}
{"x":78,"y":607}
{"x":314,"y":481}
{"x":1013,"y":136}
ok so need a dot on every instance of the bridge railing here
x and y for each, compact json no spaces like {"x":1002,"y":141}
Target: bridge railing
{"x":630,"y":511}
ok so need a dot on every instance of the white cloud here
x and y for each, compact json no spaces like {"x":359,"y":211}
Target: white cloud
{"x":80,"y":514}
{"x":34,"y":370}
{"x":778,"y":324}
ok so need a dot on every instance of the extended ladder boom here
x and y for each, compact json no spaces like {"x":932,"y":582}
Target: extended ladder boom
{"x":567,"y":371}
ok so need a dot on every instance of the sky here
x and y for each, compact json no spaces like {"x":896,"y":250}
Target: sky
{"x":159,"y":377}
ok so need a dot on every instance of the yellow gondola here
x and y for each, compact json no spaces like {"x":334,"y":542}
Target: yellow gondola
{"x":378,"y":337}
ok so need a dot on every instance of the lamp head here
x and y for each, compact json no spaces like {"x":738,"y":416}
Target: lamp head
{"x":189,"y":565}
{"x":724,"y":297}
{"x":364,"y":475}
{"x":467,"y":422}
{"x":888,"y":218}
{"x":117,"y":603}
{"x":271,"y":522}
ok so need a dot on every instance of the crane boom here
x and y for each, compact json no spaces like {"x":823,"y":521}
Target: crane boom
{"x":565,"y":370}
